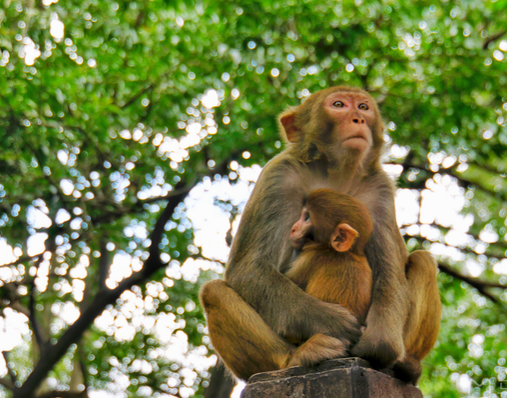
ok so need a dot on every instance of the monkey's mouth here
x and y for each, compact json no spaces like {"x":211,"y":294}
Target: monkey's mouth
{"x":298,"y":244}
{"x":357,"y":136}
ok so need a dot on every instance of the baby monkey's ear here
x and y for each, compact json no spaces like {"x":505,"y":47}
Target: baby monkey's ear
{"x":343,"y":237}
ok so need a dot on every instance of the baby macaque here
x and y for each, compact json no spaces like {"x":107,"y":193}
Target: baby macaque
{"x":330,"y":236}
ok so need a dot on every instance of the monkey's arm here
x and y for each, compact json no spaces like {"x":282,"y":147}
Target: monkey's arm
{"x":261,"y":247}
{"x":382,"y":341}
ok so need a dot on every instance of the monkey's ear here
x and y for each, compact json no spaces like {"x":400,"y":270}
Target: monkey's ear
{"x":343,"y":237}
{"x":288,"y":125}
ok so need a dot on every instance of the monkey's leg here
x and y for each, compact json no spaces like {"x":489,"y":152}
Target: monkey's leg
{"x":421,"y":328}
{"x":317,"y":349}
{"x":243,"y":340}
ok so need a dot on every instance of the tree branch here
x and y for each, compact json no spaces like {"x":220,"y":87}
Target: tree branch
{"x":103,"y":265}
{"x":13,"y":297}
{"x":89,"y":137}
{"x":22,"y":260}
{"x":74,"y":333}
{"x":49,"y":179}
{"x":463,"y":181}
{"x":51,"y":247}
{"x":465,"y":249}
{"x":64,"y":394}
{"x":487,"y":167}
{"x":137,"y":206}
{"x":474,"y":282}
{"x":478,"y":284}
{"x":82,"y":366}
{"x":136,"y":96}
{"x":493,"y":39}
{"x":36,"y":327}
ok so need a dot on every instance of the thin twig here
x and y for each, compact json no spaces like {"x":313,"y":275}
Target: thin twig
{"x":103,"y":264}
{"x":136,"y":96}
{"x":83,"y":368}
{"x":137,"y":206}
{"x":493,"y":39}
{"x":37,"y":329}
{"x":21,"y":260}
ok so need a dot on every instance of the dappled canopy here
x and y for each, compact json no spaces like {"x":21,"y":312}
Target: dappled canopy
{"x":131,"y":132}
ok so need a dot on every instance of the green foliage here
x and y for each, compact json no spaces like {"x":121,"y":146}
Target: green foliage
{"x":89,"y":129}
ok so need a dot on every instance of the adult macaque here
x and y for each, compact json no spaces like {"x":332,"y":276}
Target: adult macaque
{"x":335,"y":139}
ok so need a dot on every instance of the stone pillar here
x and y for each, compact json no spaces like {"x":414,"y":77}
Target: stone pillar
{"x":338,"y":378}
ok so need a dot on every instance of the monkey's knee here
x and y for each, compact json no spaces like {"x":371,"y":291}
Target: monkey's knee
{"x":421,"y":265}
{"x":423,"y":324}
{"x":421,"y":273}
{"x":246,"y":344}
{"x":212,"y":294}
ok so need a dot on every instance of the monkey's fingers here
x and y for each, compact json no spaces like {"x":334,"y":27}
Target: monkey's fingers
{"x":317,"y":349}
{"x":338,"y":322}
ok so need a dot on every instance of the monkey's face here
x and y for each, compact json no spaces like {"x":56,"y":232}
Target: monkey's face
{"x":302,"y":230}
{"x":352,"y":116}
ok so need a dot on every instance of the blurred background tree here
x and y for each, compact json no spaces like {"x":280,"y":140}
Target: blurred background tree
{"x":130,"y":136}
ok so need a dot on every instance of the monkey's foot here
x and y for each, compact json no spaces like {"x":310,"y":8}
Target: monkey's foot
{"x":317,"y":349}
{"x":378,"y":348}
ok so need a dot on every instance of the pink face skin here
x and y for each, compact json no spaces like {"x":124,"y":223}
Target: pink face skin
{"x":353,"y":115}
{"x":300,"y":229}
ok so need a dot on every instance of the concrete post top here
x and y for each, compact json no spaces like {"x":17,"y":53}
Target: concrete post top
{"x":337,"y":378}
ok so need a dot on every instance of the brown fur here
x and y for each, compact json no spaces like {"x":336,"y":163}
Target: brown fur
{"x":336,"y":277}
{"x":405,"y":304}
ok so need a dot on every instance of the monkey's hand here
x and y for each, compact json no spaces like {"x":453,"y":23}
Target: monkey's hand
{"x":380,"y":346}
{"x":340,"y":323}
{"x":320,"y":317}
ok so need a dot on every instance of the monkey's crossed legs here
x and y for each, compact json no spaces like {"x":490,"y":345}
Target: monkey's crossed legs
{"x":247,"y":344}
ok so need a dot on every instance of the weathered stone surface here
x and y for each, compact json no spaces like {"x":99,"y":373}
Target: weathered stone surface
{"x":338,"y":378}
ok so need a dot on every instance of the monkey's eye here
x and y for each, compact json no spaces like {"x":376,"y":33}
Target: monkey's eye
{"x":338,"y":104}
{"x":363,"y":107}
{"x":306,"y":216}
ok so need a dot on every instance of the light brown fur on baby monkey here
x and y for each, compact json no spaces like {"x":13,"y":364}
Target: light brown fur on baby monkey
{"x":331,"y":234}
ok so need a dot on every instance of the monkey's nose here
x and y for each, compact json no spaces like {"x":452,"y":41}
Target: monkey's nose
{"x":359,"y":121}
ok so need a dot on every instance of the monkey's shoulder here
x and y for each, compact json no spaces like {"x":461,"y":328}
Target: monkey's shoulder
{"x":375,"y":190}
{"x":284,"y":175}
{"x":380,"y":180}
{"x":284,"y":161}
